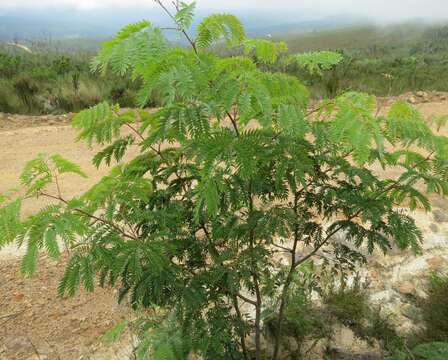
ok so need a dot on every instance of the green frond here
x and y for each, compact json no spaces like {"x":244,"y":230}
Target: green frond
{"x":29,"y":261}
{"x":10,"y":223}
{"x":286,"y":90}
{"x":292,"y":121}
{"x":184,"y":16}
{"x":36,"y":175}
{"x":51,"y":244}
{"x":265,"y":51}
{"x":72,"y":277}
{"x":405,"y":125}
{"x":355,"y":126}
{"x":134,"y":45}
{"x":316,"y":62}
{"x":118,"y":187}
{"x":220,"y":27}
{"x":101,"y":123}
{"x":115,"y":333}
{"x":116,"y":151}
{"x":64,"y":166}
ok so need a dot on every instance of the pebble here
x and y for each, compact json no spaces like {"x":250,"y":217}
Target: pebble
{"x":406,"y":288}
{"x":435,"y":262}
{"x":440,"y":216}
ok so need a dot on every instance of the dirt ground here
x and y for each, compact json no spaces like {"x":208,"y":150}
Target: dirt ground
{"x":34,"y":322}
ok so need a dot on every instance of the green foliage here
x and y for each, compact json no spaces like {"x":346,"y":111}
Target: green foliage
{"x":316,"y":62}
{"x":350,"y":306}
{"x":432,"y":351}
{"x":220,"y":26}
{"x":265,"y":51}
{"x":185,"y":15}
{"x":115,"y":333}
{"x":47,"y":82}
{"x":229,"y":169}
{"x":10,"y":225}
{"x":434,"y":311}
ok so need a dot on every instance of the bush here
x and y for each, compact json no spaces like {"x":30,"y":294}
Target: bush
{"x":349,"y":304}
{"x":435,"y":310}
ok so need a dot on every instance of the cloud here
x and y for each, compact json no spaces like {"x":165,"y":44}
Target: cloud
{"x":376,"y":9}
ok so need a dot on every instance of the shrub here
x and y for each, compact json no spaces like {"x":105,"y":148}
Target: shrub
{"x":434,"y":309}
{"x":349,"y":305}
{"x":194,"y":227}
{"x":27,"y":89}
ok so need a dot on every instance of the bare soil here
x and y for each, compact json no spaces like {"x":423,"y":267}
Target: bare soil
{"x":34,"y":322}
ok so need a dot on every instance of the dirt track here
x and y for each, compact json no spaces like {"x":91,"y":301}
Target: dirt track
{"x":34,"y":324}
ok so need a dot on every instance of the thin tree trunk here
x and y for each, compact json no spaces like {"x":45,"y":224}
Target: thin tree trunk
{"x":286,"y":286}
{"x":240,"y":327}
{"x":257,"y":321}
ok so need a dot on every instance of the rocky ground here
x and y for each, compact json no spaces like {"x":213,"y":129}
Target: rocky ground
{"x":36,"y":324}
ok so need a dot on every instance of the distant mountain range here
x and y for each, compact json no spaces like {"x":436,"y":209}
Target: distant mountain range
{"x":64,"y":24}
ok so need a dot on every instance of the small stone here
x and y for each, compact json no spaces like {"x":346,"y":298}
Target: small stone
{"x":18,"y":297}
{"x":421,"y":94}
{"x":434,"y":228}
{"x":412,"y":100}
{"x":440,"y":216}
{"x":435,"y":262}
{"x":441,"y":203}
{"x":406,"y":288}
{"x":410,"y":311}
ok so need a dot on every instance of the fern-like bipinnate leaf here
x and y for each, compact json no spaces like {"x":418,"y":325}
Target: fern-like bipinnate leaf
{"x":220,"y":27}
{"x":316,"y":62}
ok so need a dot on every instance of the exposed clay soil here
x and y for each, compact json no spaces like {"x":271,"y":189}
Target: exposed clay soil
{"x":34,"y":322}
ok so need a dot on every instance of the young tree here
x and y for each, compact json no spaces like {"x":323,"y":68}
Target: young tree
{"x":233,"y":173}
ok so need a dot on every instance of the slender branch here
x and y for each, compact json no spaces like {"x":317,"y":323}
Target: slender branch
{"x":255,"y":280}
{"x":282,"y":248}
{"x":57,"y":185}
{"x":135,"y":131}
{"x":94,"y":217}
{"x":241,"y":330}
{"x":232,"y":119}
{"x":168,"y":12}
{"x":288,"y":281}
{"x":215,"y":254}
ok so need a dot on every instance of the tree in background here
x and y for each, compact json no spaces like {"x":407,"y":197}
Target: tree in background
{"x":237,"y":187}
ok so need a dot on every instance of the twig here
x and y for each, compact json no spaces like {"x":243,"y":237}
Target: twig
{"x":85,"y":213}
{"x":11,"y":315}
{"x":168,"y":12}
{"x":34,"y":348}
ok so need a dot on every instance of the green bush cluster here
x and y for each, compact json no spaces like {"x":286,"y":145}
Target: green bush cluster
{"x":41,"y":83}
{"x":309,"y":321}
{"x":383,"y":66}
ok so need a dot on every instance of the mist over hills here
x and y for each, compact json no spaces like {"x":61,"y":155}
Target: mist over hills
{"x":102,"y":23}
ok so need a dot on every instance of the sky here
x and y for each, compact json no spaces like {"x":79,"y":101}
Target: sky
{"x":374,"y":9}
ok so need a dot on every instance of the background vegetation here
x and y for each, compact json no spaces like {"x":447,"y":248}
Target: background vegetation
{"x":49,"y":81}
{"x":392,"y":60}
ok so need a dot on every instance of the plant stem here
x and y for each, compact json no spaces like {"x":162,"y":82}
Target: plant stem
{"x":287,"y":284}
{"x":240,"y":327}
{"x":255,"y":280}
{"x":94,"y":217}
